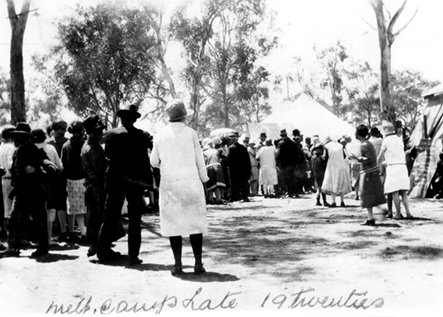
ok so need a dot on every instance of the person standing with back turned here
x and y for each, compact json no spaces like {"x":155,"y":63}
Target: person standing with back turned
{"x":182,"y":199}
{"x":128,"y":176}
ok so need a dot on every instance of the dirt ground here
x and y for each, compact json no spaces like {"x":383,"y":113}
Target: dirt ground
{"x":283,"y":256}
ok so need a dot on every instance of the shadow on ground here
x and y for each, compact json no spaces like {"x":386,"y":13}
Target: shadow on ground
{"x":207,"y":277}
{"x":402,"y":252}
{"x":55,"y":257}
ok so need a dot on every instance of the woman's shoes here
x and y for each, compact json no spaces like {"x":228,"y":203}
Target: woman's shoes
{"x":199,"y":269}
{"x":177,"y":270}
{"x":369,"y":222}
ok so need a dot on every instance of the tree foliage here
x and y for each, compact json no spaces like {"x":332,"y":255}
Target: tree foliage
{"x":105,"y":58}
{"x":408,"y":88}
{"x":5,"y":104}
{"x":332,"y":61}
{"x":222,"y":47}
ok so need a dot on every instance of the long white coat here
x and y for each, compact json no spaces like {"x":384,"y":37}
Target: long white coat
{"x":182,"y":201}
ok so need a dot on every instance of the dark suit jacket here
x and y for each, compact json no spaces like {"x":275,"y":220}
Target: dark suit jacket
{"x":127,"y":151}
{"x":239,"y":162}
{"x":289,"y":154}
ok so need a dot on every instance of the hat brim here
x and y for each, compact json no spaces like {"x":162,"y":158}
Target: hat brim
{"x":20,"y":133}
{"x":128,"y":113}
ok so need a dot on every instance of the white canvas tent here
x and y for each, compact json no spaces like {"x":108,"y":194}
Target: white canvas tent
{"x":427,"y":138}
{"x":305,"y":114}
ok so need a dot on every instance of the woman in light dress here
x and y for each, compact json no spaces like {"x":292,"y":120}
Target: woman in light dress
{"x":178,"y":155}
{"x":268,"y":169}
{"x":397,"y":179}
{"x":337,"y":181}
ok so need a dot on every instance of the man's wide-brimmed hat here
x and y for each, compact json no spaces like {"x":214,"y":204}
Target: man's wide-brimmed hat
{"x":235,"y":134}
{"x":263,"y":135}
{"x":129,"y":111}
{"x":93,"y":123}
{"x":283,"y":132}
{"x":176,"y":110}
{"x":21,"y":129}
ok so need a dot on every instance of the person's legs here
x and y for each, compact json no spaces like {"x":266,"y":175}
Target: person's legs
{"x":111,"y":219}
{"x":80,"y":218}
{"x":405,"y":200}
{"x":389,"y":204}
{"x":176,"y":246}
{"x":134,"y":197}
{"x":197,"y":246}
{"x":39,"y":215}
{"x":370,"y":221}
{"x":62,"y":219}
{"x":333,"y":204}
{"x":396,"y":200}
{"x":50,"y":219}
{"x":342,"y":200}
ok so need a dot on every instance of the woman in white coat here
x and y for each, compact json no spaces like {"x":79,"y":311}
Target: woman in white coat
{"x":182,"y":201}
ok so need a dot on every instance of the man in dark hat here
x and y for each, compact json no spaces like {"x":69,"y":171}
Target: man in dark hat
{"x":28,"y":194}
{"x":288,"y":158}
{"x":94,"y":163}
{"x":239,"y":169}
{"x":128,"y":176}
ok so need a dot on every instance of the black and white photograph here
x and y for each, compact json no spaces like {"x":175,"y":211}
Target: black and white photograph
{"x":183,"y":157}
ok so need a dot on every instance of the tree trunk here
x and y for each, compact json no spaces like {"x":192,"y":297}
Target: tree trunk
{"x":18,"y":26}
{"x":386,"y":37}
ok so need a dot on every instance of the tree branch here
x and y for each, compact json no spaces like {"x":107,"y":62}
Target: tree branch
{"x":404,"y":27}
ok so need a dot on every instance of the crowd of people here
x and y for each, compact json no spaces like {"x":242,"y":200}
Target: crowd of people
{"x":375,"y":165}
{"x":74,"y":189}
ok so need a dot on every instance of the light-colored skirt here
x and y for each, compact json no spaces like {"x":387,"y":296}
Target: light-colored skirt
{"x":268,"y":176}
{"x":7,"y":202}
{"x":396,"y":178}
{"x":76,"y":197}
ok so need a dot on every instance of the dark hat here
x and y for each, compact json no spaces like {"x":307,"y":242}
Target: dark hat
{"x":246,"y":139}
{"x":21,"y":129}
{"x":131,"y":111}
{"x":374,"y":131}
{"x":235,"y":134}
{"x":296,"y":132}
{"x":59,"y":125}
{"x":176,"y":110}
{"x":263,"y":135}
{"x":283,"y":132}
{"x":38,"y":136}
{"x":93,"y":123}
{"x":75,"y":126}
{"x":6,"y":132}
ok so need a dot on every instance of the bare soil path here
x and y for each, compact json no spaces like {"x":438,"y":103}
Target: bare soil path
{"x":281,"y":255}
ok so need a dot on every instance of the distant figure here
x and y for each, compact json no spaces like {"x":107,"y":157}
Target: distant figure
{"x":268,"y":169}
{"x":182,"y":199}
{"x":318,"y":162}
{"x":397,"y":179}
{"x":216,"y":182}
{"x":337,"y":181}
{"x":239,"y":169}
{"x":94,"y":163}
{"x":7,"y":149}
{"x":371,"y":188}
{"x":75,"y":175}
